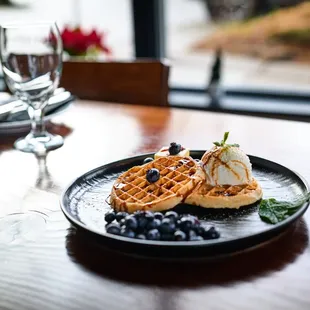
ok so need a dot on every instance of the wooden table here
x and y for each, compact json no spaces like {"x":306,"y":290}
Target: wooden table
{"x":46,"y":264}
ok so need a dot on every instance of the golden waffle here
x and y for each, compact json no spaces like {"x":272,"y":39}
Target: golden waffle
{"x":178,"y":177}
{"x":226,"y":196}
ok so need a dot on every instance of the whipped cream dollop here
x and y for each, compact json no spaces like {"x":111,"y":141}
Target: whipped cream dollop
{"x":227,"y":165}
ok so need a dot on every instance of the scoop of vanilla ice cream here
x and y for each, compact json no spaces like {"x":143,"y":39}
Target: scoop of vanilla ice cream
{"x":227,"y":165}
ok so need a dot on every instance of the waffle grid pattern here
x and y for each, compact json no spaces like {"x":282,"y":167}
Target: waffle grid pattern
{"x":175,"y":174}
{"x":227,"y":190}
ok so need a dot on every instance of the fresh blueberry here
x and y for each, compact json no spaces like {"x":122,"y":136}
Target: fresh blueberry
{"x":122,"y":222}
{"x":167,"y":226}
{"x":186,"y":223}
{"x":148,"y":160}
{"x":142,"y":223}
{"x":152,"y":175}
{"x":140,"y":236}
{"x":191,"y":235}
{"x":138,"y":214}
{"x":172,"y":215}
{"x":200,"y":230}
{"x":211,"y":233}
{"x":121,"y":215}
{"x":127,"y":233}
{"x":158,"y":215}
{"x":185,"y":215}
{"x":174,"y":148}
{"x":110,"y":217}
{"x":167,"y":237}
{"x":153,"y":224}
{"x":153,"y":235}
{"x":166,"y":220}
{"x":179,"y":235}
{"x":149,"y":215}
{"x":113,"y":228}
{"x":131,"y":222}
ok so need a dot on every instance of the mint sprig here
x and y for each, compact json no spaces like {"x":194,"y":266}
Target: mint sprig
{"x":223,"y":142}
{"x":273,"y":211}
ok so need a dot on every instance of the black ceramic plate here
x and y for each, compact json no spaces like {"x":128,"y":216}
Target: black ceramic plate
{"x":84,"y":204}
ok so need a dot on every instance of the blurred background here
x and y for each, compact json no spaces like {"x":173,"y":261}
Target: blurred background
{"x":265,"y":44}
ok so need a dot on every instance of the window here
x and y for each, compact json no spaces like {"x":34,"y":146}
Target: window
{"x":268,"y":52}
{"x":261,"y":74}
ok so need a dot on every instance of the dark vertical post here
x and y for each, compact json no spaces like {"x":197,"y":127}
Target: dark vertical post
{"x":214,"y":86}
{"x":149,"y":27}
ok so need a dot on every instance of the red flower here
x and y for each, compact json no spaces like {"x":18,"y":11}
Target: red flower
{"x":77,"y":42}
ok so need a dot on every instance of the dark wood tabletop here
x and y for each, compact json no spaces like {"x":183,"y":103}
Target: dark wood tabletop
{"x":47,"y":264}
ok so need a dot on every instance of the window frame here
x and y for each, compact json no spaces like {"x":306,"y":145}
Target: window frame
{"x":150,"y":42}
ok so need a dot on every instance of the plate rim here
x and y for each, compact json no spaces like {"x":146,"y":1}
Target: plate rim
{"x":179,"y":244}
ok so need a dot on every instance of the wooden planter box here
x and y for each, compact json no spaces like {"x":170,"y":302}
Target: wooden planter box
{"x":140,"y":82}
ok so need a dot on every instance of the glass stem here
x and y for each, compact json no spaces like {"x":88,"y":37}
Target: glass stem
{"x":37,"y":124}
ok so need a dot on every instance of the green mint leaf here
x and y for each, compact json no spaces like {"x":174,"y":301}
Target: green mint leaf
{"x":226,"y":134}
{"x":234,"y":145}
{"x":267,"y":215}
{"x":273,"y":211}
{"x":223,"y":142}
{"x":217,"y":143}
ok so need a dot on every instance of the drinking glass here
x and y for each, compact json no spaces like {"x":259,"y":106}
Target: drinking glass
{"x":31,"y":57}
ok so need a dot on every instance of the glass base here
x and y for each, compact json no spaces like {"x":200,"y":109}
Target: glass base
{"x":40,"y":144}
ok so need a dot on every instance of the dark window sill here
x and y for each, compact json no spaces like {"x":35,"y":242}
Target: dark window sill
{"x":288,"y":105}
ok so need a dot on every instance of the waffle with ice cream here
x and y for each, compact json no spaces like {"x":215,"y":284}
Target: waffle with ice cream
{"x":229,"y":181}
{"x":222,"y":179}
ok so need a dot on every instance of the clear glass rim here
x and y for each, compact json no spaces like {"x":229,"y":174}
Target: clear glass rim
{"x":19,"y":24}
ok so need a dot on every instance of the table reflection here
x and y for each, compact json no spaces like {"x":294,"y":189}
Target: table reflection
{"x":256,"y":262}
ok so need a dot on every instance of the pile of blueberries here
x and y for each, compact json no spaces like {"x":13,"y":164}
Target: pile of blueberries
{"x":158,"y":226}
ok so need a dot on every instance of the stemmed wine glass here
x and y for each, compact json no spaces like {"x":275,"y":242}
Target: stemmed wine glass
{"x":31,"y":57}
